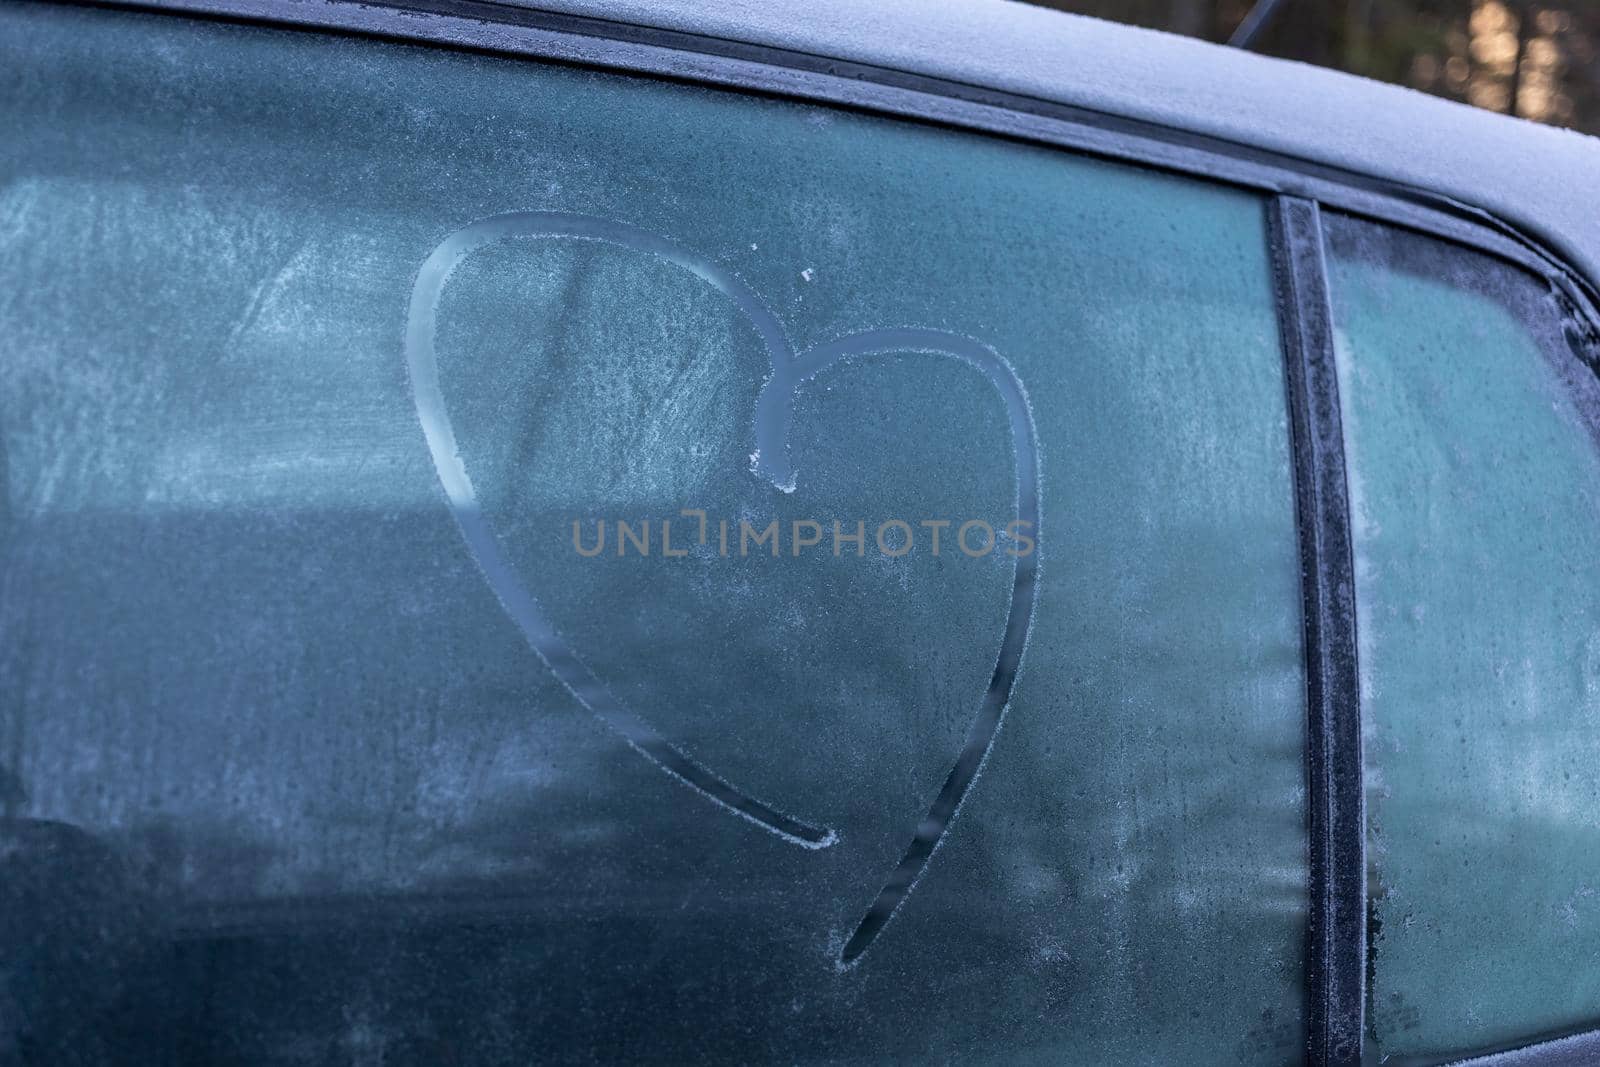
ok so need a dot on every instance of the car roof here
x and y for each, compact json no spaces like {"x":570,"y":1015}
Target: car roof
{"x":1541,"y":179}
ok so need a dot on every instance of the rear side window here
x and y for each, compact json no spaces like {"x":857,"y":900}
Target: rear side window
{"x":1471,"y":427}
{"x":471,"y":587}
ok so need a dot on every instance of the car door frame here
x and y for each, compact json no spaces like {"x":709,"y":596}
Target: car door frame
{"x":1296,"y":191}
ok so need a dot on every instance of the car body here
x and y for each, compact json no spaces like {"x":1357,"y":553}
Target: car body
{"x":1248,"y":713}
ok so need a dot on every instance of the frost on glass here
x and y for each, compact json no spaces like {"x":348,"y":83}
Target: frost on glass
{"x":1472,"y":434}
{"x":283,"y":779}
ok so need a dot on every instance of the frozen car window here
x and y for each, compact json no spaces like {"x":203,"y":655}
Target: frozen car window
{"x":1471,"y":428}
{"x":370,"y":709}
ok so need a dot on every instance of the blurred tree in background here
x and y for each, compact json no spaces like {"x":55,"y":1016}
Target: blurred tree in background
{"x":1539,"y":59}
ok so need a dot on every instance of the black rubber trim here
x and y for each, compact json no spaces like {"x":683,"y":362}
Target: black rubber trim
{"x":1337,"y":927}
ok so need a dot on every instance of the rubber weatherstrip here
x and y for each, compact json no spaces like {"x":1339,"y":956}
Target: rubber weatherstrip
{"x":1336,"y":934}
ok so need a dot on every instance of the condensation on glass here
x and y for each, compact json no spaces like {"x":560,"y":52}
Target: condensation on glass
{"x":286,"y":779}
{"x":1471,"y":428}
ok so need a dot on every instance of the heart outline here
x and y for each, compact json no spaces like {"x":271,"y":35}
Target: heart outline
{"x":774,"y":413}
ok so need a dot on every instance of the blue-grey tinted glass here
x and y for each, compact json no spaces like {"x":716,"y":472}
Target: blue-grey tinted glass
{"x":1475,"y":489}
{"x":330,"y":745}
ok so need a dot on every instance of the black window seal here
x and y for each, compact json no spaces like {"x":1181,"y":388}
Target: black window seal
{"x":1292,"y":184}
{"x":1336,"y":927}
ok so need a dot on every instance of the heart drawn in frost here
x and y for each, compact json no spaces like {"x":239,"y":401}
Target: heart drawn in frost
{"x":773,"y":415}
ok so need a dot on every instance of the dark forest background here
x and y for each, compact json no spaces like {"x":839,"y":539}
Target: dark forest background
{"x":1539,"y":60}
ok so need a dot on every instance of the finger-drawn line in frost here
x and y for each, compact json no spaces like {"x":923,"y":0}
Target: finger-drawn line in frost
{"x":773,"y":416}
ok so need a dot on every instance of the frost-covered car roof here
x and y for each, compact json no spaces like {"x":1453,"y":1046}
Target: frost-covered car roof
{"x":1545,"y":181}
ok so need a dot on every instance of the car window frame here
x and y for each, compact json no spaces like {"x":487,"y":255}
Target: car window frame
{"x":1295,"y":193}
